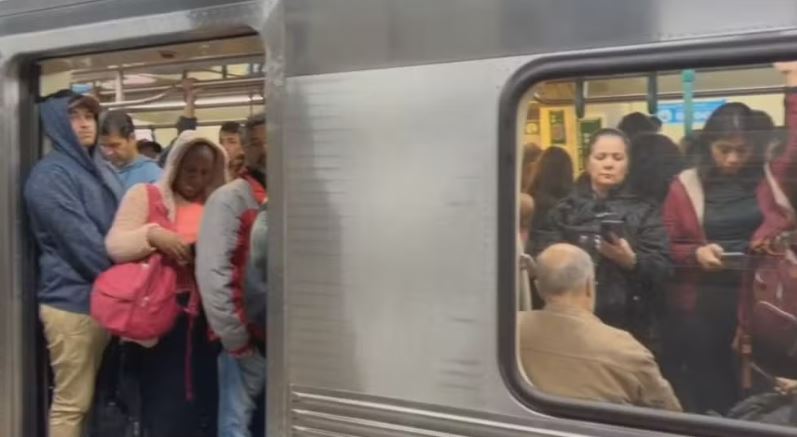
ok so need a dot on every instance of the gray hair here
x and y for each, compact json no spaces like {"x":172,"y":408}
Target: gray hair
{"x":563,"y":268}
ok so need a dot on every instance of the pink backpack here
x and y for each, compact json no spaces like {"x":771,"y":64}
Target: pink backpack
{"x":137,"y":300}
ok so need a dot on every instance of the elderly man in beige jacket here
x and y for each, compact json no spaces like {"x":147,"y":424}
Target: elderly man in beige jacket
{"x":566,"y":350}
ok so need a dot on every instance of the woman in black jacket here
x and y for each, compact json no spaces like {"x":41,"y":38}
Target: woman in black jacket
{"x":622,"y":231}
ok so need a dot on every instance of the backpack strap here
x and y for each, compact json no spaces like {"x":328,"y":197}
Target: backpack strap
{"x":158,"y":213}
{"x":192,"y":311}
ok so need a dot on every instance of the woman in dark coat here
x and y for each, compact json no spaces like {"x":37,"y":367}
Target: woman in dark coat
{"x":622,"y":231}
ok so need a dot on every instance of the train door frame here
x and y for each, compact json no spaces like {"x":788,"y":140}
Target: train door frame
{"x":19,"y":54}
{"x":710,"y":52}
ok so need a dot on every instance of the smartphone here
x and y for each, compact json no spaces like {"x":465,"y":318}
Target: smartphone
{"x":734,"y":260}
{"x":612,"y":230}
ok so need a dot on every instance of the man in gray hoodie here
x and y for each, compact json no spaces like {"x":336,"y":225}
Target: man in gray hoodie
{"x":223,"y":250}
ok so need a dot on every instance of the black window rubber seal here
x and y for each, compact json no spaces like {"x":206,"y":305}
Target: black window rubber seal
{"x":716,"y":52}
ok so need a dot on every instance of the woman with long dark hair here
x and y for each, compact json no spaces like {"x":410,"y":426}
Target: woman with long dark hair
{"x":551,"y":181}
{"x":655,"y":161}
{"x":716,"y":214}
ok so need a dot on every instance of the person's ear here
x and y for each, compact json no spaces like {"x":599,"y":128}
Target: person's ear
{"x":590,"y":287}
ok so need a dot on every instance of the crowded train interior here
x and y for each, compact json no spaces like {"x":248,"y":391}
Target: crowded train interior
{"x":148,"y":83}
{"x":202,"y":104}
{"x":678,"y":185}
{"x":671,"y":190}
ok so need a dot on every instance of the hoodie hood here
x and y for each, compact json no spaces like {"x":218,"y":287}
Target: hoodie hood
{"x":187,"y":140}
{"x":55,"y":119}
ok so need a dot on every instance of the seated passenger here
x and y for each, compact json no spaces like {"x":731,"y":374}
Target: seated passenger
{"x":118,"y":140}
{"x":622,"y":231}
{"x":566,"y":350}
{"x":71,"y":196}
{"x":195,"y":168}
{"x":222,"y":253}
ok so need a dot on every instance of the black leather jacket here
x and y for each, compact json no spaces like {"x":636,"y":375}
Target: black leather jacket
{"x":625,"y":299}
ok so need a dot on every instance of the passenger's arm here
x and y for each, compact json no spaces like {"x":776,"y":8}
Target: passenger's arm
{"x":784,"y":167}
{"x":188,"y":120}
{"x":55,"y":207}
{"x":651,"y":248}
{"x":654,"y":390}
{"x":127,"y":240}
{"x":218,"y":238}
{"x":683,"y":247}
{"x":551,"y":231}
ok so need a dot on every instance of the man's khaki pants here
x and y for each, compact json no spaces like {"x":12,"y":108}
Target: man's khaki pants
{"x":76,"y":344}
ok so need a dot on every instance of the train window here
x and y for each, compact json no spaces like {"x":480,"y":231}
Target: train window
{"x":158,"y":166}
{"x":655,"y":232}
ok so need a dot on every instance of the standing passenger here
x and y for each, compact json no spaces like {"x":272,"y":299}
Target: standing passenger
{"x":622,"y":231}
{"x":118,"y":140}
{"x":637,"y":123}
{"x":531,"y":153}
{"x":195,"y":168}
{"x":655,"y":161}
{"x":551,"y":181}
{"x":724,"y":205}
{"x":230,"y":139}
{"x":222,"y":254}
{"x":71,"y":197}
{"x":525,"y":300}
{"x":150,"y":149}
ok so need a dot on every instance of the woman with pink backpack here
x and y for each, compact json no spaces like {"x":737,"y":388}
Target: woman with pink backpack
{"x":152,"y":291}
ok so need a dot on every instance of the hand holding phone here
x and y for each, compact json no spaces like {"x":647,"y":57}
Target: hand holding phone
{"x":710,"y":257}
{"x":612,"y":230}
{"x":734,"y":260}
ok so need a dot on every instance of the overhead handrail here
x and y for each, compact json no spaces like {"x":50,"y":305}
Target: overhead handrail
{"x":688,"y":81}
{"x":238,"y":58}
{"x":653,"y":94}
{"x":200,"y":104}
{"x":200,"y":123}
{"x":138,"y":104}
{"x":581,"y":105}
{"x":673,"y":95}
{"x":155,"y":98}
{"x":205,"y":84}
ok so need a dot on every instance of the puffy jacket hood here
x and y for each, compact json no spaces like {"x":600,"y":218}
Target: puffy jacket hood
{"x":187,"y":140}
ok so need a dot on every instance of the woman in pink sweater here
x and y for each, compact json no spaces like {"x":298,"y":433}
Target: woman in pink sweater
{"x":194,"y":169}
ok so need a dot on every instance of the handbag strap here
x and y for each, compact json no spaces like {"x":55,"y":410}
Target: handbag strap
{"x":158,"y":213}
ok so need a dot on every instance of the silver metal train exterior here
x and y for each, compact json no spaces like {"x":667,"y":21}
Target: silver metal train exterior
{"x":391,"y":175}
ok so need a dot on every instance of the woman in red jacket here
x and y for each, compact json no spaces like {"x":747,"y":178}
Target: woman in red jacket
{"x":732,"y":202}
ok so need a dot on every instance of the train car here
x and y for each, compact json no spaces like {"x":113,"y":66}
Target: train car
{"x":394,"y":133}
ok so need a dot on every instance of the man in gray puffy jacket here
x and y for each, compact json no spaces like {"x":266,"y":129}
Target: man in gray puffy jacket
{"x":223,"y":251}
